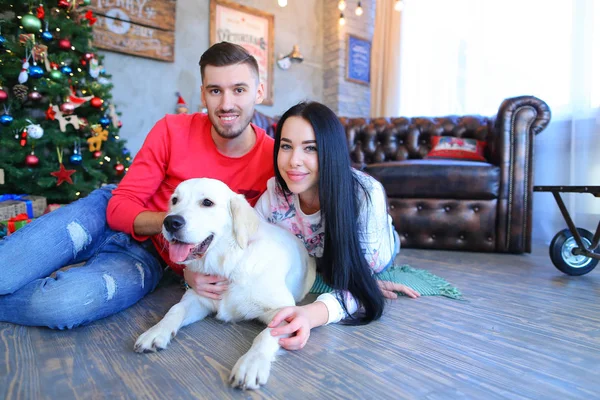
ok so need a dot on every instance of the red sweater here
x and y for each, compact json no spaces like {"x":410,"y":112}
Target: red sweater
{"x":180,"y":147}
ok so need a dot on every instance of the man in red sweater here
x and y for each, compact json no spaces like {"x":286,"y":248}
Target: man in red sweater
{"x":118,"y":234}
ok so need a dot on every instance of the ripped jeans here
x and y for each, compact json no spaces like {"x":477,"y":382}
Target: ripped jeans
{"x":118,"y":270}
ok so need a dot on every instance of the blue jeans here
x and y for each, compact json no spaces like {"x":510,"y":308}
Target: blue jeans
{"x":118,"y":270}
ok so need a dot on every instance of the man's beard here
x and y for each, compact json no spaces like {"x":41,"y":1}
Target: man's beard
{"x":229,"y":133}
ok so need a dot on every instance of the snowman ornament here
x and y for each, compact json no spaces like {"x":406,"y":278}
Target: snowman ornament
{"x":35,"y":131}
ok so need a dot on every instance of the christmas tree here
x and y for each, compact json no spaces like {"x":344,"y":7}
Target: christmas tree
{"x":59,"y":134}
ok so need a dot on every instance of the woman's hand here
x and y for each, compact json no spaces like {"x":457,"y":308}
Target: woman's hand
{"x":210,"y":286}
{"x":389,"y":290}
{"x":298,"y":327}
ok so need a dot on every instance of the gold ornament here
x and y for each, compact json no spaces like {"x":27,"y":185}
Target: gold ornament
{"x":99,"y":135}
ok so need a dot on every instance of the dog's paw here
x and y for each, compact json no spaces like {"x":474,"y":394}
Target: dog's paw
{"x":250,"y":371}
{"x":154,"y":339}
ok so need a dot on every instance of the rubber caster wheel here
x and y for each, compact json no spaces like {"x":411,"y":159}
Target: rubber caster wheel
{"x":561,"y":253}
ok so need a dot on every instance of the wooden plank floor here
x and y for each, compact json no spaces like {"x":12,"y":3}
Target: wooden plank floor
{"x":524,"y":330}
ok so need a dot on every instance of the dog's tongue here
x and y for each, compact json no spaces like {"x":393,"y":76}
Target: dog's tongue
{"x":178,"y":252}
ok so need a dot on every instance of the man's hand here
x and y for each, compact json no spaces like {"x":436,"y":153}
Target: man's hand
{"x":389,"y":290}
{"x":210,"y":286}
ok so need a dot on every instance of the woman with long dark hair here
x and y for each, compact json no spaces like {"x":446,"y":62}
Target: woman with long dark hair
{"x":339,"y":213}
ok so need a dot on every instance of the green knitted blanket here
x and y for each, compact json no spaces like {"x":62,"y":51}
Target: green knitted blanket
{"x":424,"y":282}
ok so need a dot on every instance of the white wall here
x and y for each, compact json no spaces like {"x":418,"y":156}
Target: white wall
{"x":566,"y":153}
{"x":144,"y":89}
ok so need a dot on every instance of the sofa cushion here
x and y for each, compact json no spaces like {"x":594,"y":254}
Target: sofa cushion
{"x":448,"y":147}
{"x":442,"y":179}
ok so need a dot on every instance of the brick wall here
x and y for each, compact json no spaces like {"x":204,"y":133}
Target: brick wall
{"x":346,"y":98}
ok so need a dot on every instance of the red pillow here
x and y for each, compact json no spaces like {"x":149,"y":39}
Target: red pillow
{"x":453,"y":147}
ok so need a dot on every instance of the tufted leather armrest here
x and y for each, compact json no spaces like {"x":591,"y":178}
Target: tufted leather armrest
{"x":519,"y":119}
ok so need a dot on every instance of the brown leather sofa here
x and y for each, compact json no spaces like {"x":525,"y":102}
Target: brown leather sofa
{"x":453,"y":204}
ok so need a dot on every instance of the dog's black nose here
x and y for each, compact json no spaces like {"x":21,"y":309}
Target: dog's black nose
{"x":173,"y":223}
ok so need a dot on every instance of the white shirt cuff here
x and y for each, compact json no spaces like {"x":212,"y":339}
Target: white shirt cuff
{"x":334,"y":308}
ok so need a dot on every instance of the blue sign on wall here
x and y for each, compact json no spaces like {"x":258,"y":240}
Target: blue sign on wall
{"x":358,"y":60}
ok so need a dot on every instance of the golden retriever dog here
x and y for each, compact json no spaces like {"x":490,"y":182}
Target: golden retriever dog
{"x":213,"y":230}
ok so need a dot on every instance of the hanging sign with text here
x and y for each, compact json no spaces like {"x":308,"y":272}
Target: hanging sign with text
{"x":144,"y":28}
{"x":358,"y":60}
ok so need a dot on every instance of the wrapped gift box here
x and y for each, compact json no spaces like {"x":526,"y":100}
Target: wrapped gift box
{"x":10,"y":208}
{"x":15,"y":204}
{"x":15,"y":223}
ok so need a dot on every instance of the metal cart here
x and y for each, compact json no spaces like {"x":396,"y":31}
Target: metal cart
{"x":573,"y":251}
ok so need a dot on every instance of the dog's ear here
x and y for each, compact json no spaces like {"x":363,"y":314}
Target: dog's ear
{"x":245,"y":220}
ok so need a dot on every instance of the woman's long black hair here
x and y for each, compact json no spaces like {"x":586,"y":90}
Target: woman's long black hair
{"x":343,"y":264}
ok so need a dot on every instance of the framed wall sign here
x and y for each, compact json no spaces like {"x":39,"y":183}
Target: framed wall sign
{"x":250,"y":28}
{"x":145,"y":29}
{"x":358,"y":60}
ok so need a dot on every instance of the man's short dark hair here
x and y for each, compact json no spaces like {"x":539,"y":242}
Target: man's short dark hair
{"x":226,"y":53}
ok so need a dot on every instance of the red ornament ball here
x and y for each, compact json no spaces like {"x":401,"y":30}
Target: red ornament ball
{"x":119,"y":168}
{"x":31,"y":160}
{"x":97,"y":154}
{"x":67,"y":108}
{"x":64,"y":44}
{"x":96,"y":102}
{"x":64,"y":4}
{"x":88,"y":56}
{"x":83,"y":123}
{"x":3,"y":96}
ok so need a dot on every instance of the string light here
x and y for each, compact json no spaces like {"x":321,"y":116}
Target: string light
{"x":342,"y":5}
{"x":359,"y":10}
{"x":399,"y":5}
{"x":342,"y":19}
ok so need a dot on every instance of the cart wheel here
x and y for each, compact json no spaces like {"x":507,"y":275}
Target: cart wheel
{"x":561,"y":253}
